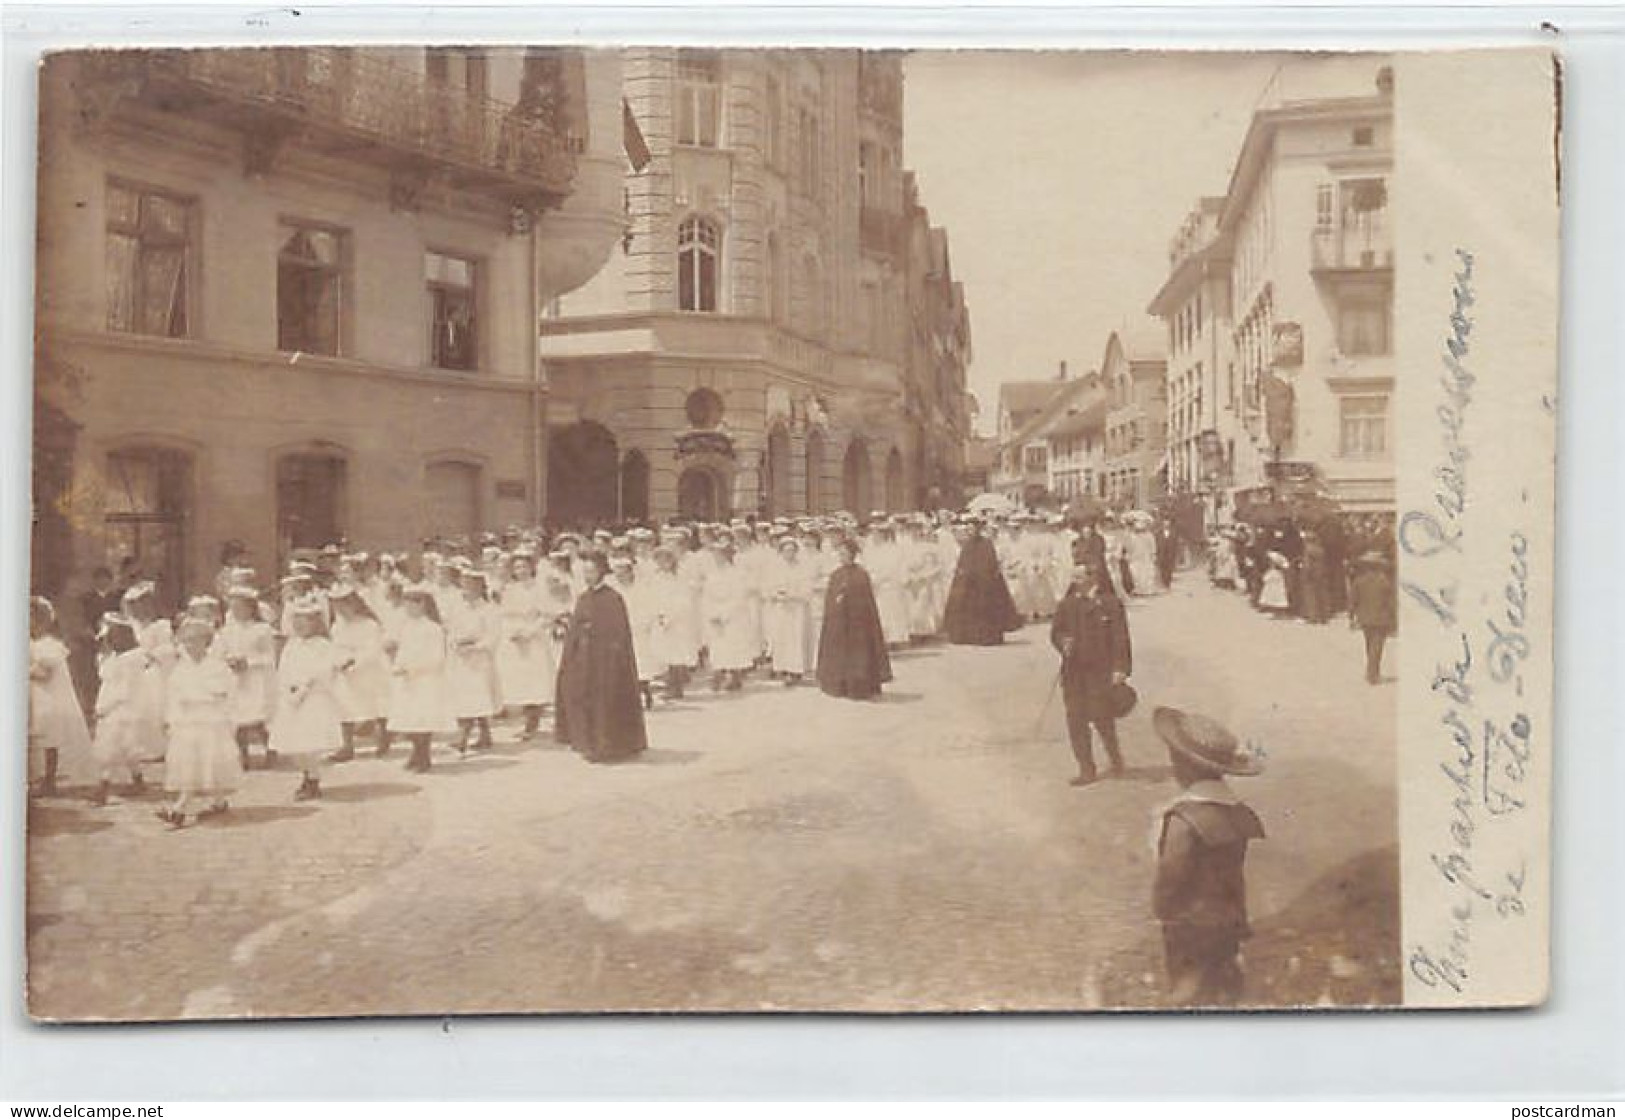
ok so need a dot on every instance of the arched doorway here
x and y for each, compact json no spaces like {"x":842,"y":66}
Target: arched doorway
{"x":634,"y":486}
{"x":857,"y":489}
{"x":701,"y":495}
{"x":815,"y":471}
{"x":778,"y":472}
{"x":896,"y":499}
{"x":310,"y":500}
{"x":452,"y":492}
{"x":583,"y":475}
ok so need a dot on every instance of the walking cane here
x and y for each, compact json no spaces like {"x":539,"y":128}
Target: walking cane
{"x":1048,"y":700}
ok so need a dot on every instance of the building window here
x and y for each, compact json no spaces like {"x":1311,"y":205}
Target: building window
{"x":773,"y":124}
{"x":1325,"y":207}
{"x":1363,"y":136}
{"x":699,"y":246}
{"x":1035,"y":459}
{"x":148,"y":261}
{"x":1362,"y":328}
{"x":1364,"y":427}
{"x":453,"y":310}
{"x":309,"y":290}
{"x":699,"y":98}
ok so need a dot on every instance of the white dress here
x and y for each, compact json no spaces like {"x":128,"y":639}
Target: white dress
{"x":118,"y":745}
{"x":306,"y":724}
{"x":726,"y":608}
{"x":361,"y":671}
{"x":472,"y":636}
{"x":674,"y":639}
{"x":787,"y":617}
{"x":526,"y":666}
{"x":55,"y":721}
{"x":641,"y":612}
{"x":886,"y":569}
{"x":924,"y":585}
{"x":418,"y":703}
{"x":253,"y":696}
{"x":157,"y":640}
{"x":202,"y":753}
{"x":1142,"y":562}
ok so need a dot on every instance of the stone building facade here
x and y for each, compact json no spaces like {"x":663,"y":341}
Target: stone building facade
{"x":286,"y":296}
{"x":1133,"y":371}
{"x":750,"y":347}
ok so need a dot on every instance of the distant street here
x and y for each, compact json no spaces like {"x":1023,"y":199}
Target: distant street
{"x":773,"y":850}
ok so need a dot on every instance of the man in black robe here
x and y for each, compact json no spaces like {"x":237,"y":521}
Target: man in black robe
{"x":1091,"y":632}
{"x":980,"y":609}
{"x":600,"y":699}
{"x":852,"y":658}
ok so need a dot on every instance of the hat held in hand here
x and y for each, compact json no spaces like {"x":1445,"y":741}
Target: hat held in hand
{"x":1206,"y":743}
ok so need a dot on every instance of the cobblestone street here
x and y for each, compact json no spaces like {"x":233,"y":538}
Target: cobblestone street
{"x":773,"y":850}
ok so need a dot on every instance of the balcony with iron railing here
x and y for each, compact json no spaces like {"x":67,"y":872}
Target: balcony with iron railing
{"x":358,"y":104}
{"x":1364,"y":246}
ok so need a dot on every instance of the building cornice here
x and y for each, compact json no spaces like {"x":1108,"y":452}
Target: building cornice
{"x":199,"y":351}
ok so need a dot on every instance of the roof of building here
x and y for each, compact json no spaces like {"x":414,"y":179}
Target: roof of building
{"x":1073,"y":400}
{"x":1028,"y":396}
{"x":1091,"y":417}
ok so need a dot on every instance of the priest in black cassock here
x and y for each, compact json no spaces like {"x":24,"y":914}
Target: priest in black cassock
{"x":980,"y":609}
{"x":600,"y":700}
{"x":852,"y":659}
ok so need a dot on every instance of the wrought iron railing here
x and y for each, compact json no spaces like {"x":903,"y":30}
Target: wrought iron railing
{"x":1365,"y":245}
{"x":387,"y":103}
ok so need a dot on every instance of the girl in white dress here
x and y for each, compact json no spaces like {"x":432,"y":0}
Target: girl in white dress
{"x":725,"y":608}
{"x":418,"y":706}
{"x":785,"y":613}
{"x":640,"y":617}
{"x":58,"y":740}
{"x":156,"y":637}
{"x":307,"y":725}
{"x":247,"y":644}
{"x":117,"y":745}
{"x":473,"y":634}
{"x":674,"y":640}
{"x":201,"y":759}
{"x":526,"y":668}
{"x":361,"y":671}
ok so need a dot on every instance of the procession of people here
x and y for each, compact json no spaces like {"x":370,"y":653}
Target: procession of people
{"x":581,"y":637}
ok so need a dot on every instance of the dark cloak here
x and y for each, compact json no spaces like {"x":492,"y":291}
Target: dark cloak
{"x":852,"y":659}
{"x":600,"y":701}
{"x":980,"y":609}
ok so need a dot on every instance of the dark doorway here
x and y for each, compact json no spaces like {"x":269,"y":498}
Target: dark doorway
{"x":634,"y":487}
{"x":583,"y":475}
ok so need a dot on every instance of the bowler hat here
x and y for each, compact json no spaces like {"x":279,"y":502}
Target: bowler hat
{"x":1205,"y":742}
{"x":1121,"y":699}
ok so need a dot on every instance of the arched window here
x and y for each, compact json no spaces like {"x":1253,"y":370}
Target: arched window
{"x":699,"y":264}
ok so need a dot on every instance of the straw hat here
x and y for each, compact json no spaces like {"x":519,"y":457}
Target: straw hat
{"x":1205,"y":742}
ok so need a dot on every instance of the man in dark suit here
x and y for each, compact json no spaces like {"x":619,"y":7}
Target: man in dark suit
{"x":1373,"y":608}
{"x":1090,"y":631}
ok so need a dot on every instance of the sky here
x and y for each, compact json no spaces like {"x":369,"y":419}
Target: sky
{"x":1060,"y":179}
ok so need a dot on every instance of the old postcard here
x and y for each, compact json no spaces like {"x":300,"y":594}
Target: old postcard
{"x":531,"y":529}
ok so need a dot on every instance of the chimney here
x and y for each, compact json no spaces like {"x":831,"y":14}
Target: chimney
{"x":1062,"y":376}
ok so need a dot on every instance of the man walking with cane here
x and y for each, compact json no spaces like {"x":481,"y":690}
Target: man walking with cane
{"x":1091,"y":632}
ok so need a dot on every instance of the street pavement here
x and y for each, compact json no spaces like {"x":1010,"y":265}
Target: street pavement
{"x":773,"y":850}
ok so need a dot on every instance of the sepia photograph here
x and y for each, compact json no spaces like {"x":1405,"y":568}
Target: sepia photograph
{"x":561,"y":529}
